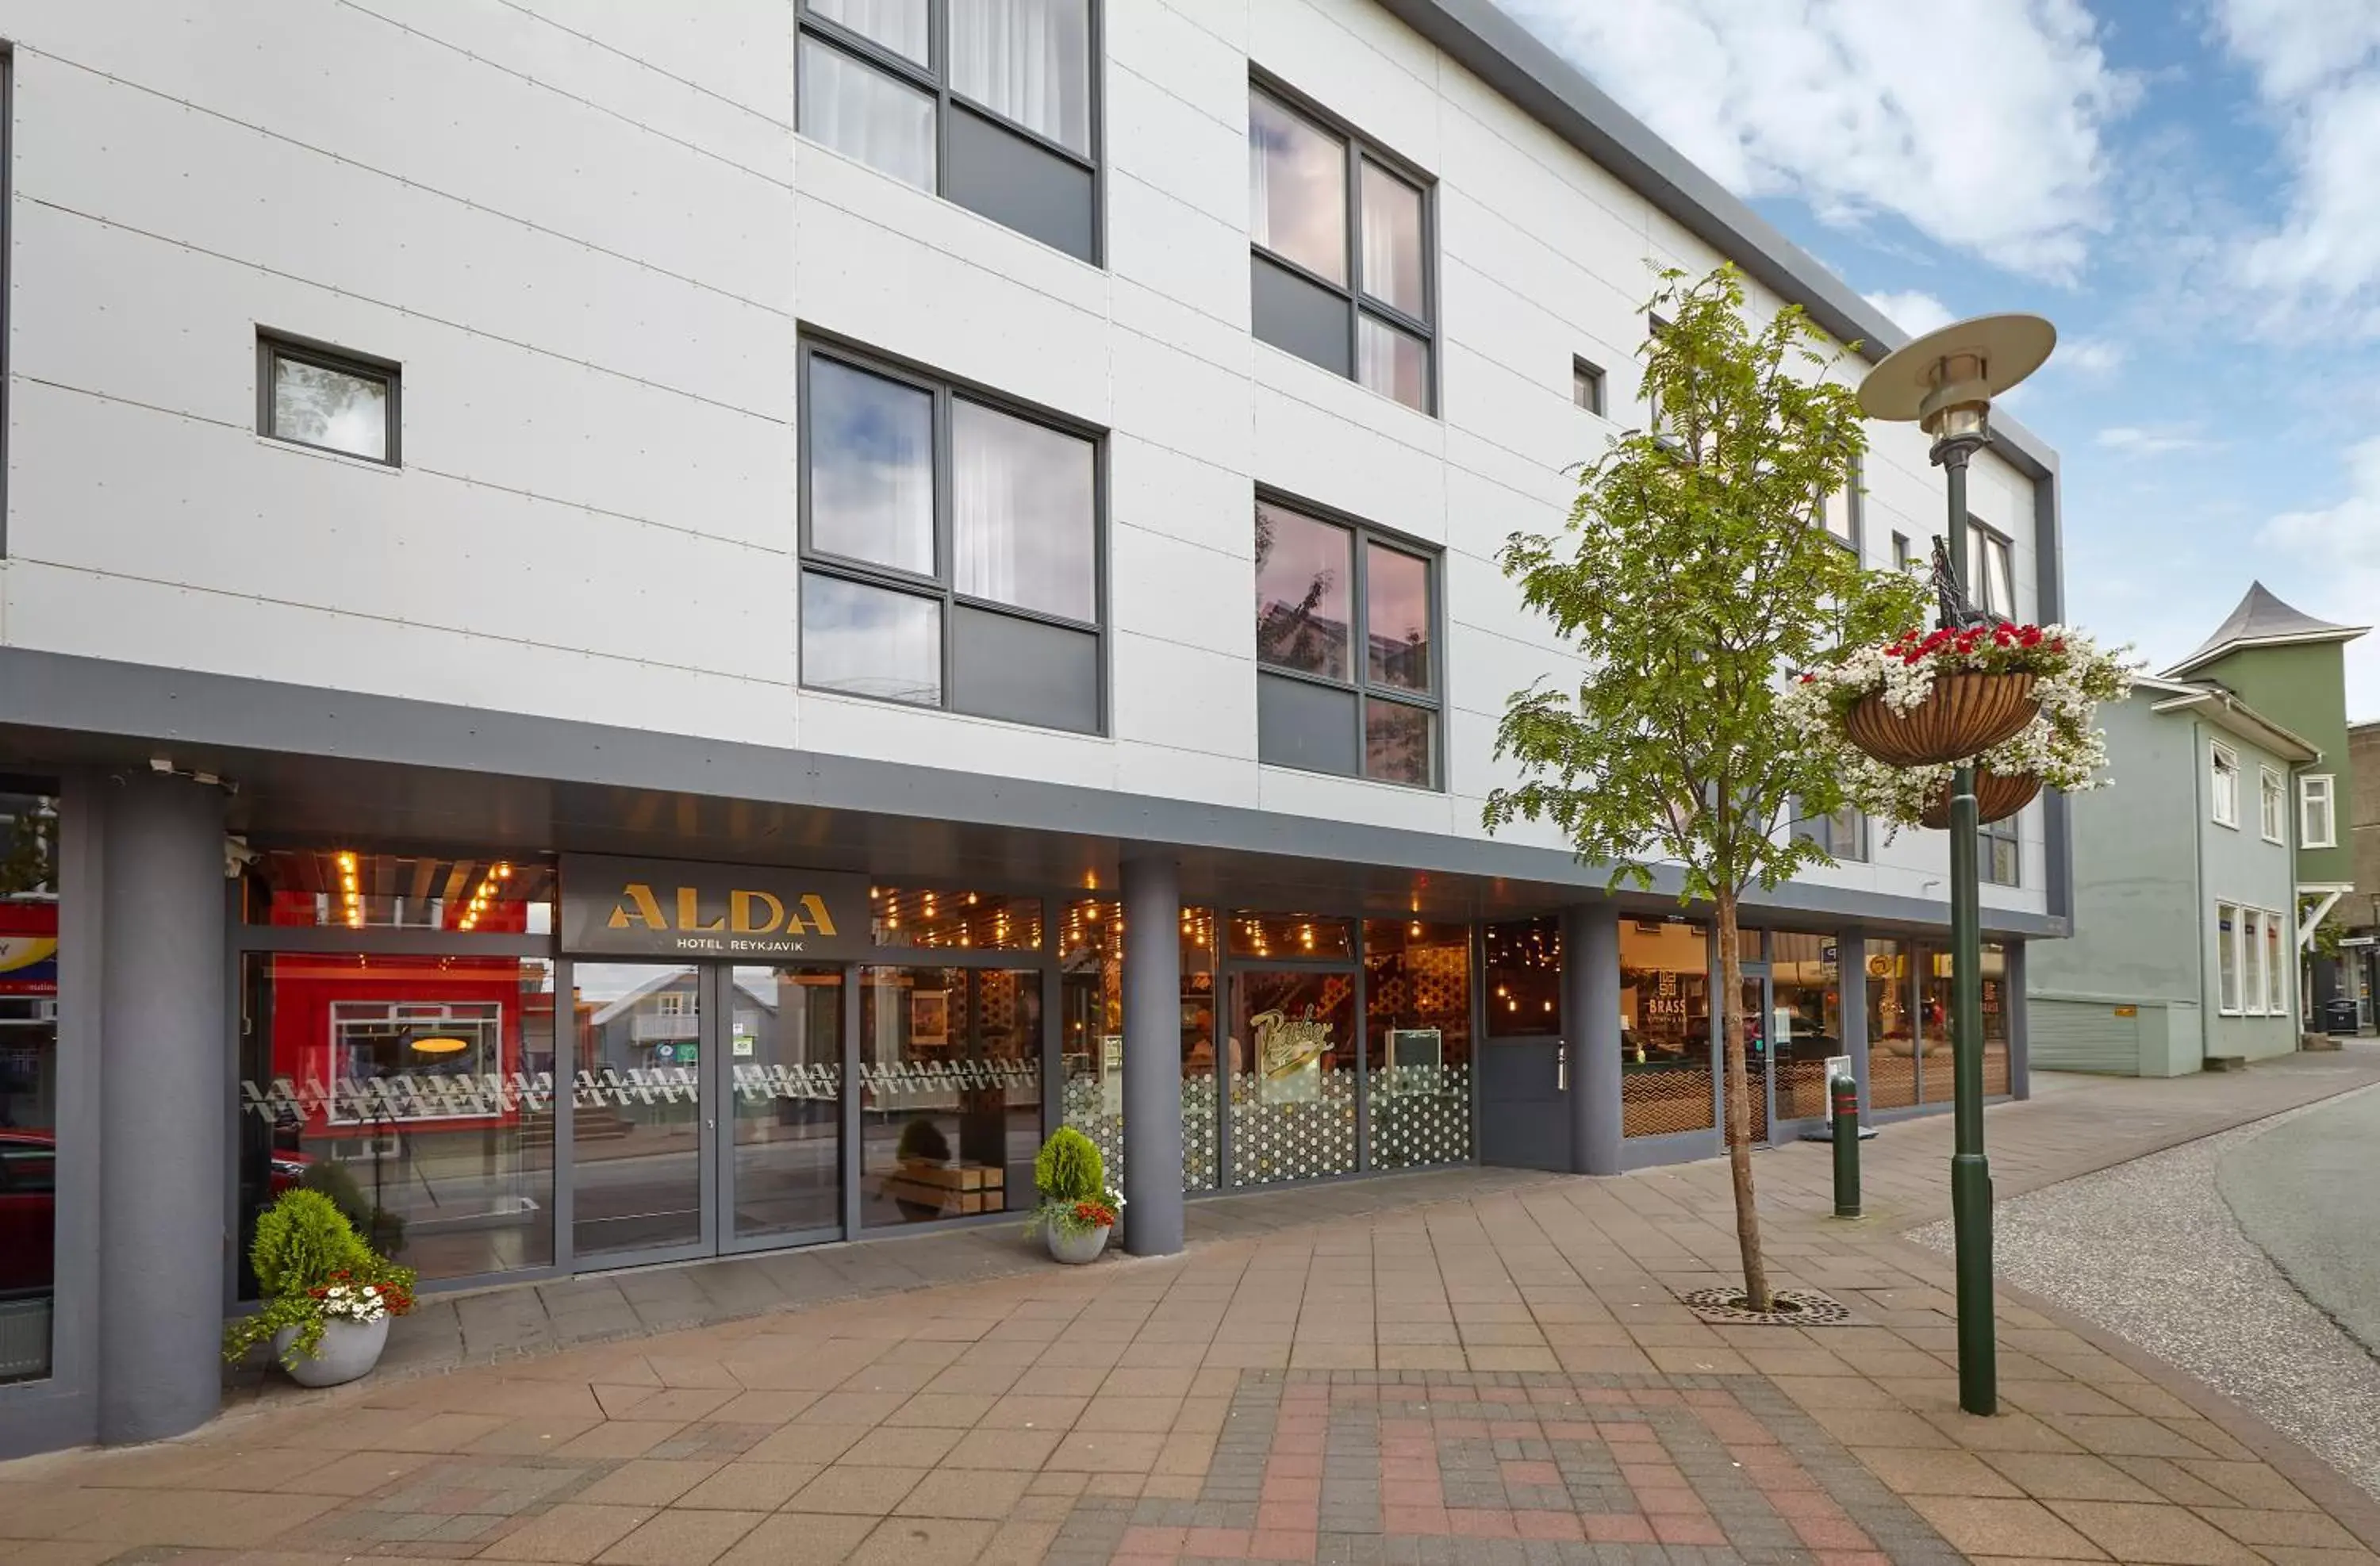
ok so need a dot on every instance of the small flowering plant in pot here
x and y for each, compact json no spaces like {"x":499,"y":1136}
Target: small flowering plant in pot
{"x":1077,"y":1211}
{"x":327,"y":1296}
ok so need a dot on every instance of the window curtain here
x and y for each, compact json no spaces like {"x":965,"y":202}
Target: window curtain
{"x":1029,"y":61}
{"x":902,"y":26}
{"x":860,"y":111}
{"x":1022,"y":499}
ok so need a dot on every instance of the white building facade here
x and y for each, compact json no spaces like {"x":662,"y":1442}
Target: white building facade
{"x":625,"y":631}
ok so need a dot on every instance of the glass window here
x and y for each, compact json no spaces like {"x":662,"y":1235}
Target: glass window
{"x":1902,"y":557}
{"x":2272,"y":800}
{"x":1297,"y":188}
{"x":1029,"y":61}
{"x":785,"y":1071}
{"x":1841,"y":511}
{"x":903,"y":26}
{"x":1666,"y":1082}
{"x":870,"y":641}
{"x":1809,"y":1024}
{"x":1892,"y":1033}
{"x":2276,"y":968}
{"x":983,"y":921}
{"x":1843,"y":834}
{"x":1392,"y":242}
{"x":950,"y":1077}
{"x":1307,"y":597}
{"x":2000,"y":851}
{"x":1022,"y":499}
{"x":319,"y":399}
{"x":1090,"y":957}
{"x":2251,"y":962}
{"x":1302,"y":229}
{"x":1525,"y":978}
{"x":636,"y":1103}
{"x":866,"y":113}
{"x":1024,"y":505}
{"x":415,"y":1092}
{"x":28,"y":1081}
{"x":1305,"y":584}
{"x":1417,"y":1041}
{"x":870,"y":467}
{"x":1991,"y":579}
{"x":1587,"y":385}
{"x":1009,"y":101}
{"x":2318,"y":821}
{"x":358,"y":888}
{"x":1292,"y":1079}
{"x":1291,"y":935}
{"x":2227,"y":956}
{"x":2225,"y":801}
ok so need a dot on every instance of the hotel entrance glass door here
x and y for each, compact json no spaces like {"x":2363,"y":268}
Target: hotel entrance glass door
{"x":707,"y":1109}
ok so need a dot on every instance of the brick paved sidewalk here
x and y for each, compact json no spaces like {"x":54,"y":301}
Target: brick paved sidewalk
{"x":1506,"y":1375}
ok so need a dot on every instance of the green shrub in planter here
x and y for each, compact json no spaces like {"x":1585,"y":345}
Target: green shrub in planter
{"x":1069,"y":1169}
{"x":311,"y":1267}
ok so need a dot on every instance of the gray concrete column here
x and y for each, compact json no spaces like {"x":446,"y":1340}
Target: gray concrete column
{"x":165,"y":1096}
{"x":2020,"y":1021}
{"x":1851,"y":985}
{"x":1152,"y":1056}
{"x":1590,"y":978}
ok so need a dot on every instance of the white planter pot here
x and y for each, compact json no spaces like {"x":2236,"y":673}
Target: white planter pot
{"x":1076,"y":1249}
{"x":349,"y":1350}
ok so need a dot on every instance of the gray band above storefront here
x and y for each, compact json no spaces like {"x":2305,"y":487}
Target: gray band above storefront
{"x":315,"y":763}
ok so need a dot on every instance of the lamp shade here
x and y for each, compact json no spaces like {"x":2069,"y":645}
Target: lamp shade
{"x":1994,"y":352}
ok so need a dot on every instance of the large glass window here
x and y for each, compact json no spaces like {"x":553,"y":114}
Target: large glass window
{"x":1664,"y":1027}
{"x":1370,"y":321}
{"x":2227,"y":956}
{"x":952,"y":548}
{"x":341,"y":888}
{"x":415,"y":1092}
{"x":1843,"y":834}
{"x":950,"y":1077}
{"x":28,"y":1080}
{"x":1090,"y":957}
{"x":1292,"y":1081}
{"x":991,"y":104}
{"x":1417,"y":1041}
{"x":1525,"y":978}
{"x":1935,"y":1057}
{"x":311,"y":396}
{"x":1892,"y":1032}
{"x":2223,"y":802}
{"x":1321,"y":705}
{"x":2317,"y":813}
{"x":785,"y":1047}
{"x":1807,"y":990}
{"x":636,"y":1107}
{"x":983,"y":921}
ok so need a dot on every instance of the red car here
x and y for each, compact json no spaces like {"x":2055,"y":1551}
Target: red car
{"x":29,"y":1186}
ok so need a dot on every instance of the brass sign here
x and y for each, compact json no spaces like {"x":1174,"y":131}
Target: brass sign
{"x":681,"y":908}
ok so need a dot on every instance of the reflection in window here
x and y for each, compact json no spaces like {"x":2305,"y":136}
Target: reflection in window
{"x":1298,"y":185}
{"x":983,"y":921}
{"x":360,"y":889}
{"x":415,"y":1092}
{"x":1392,"y":244}
{"x":904,"y":27}
{"x":1891,"y":1027}
{"x":28,"y":1080}
{"x":1809,"y":1029}
{"x":786,"y":1074}
{"x":950,"y":1077}
{"x":1296,"y":936}
{"x":1292,"y":1079}
{"x":1392,"y":362}
{"x":871,"y":641}
{"x":866,"y":113}
{"x":1664,"y":1027}
{"x":637,"y":1108}
{"x":1023,"y":499}
{"x":1091,"y":957}
{"x":320,"y":399}
{"x":1417,"y":1041}
{"x":1304,"y":587}
{"x":1400,"y":742}
{"x":1029,"y":61}
{"x":870,"y":473}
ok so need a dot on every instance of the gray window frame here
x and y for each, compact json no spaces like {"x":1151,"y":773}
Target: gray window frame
{"x":1988,"y":834}
{"x":1360,"y":150}
{"x":1820,"y":830}
{"x":1903,"y":558}
{"x":1586,"y":374}
{"x":1359,"y":684}
{"x":933,"y":78}
{"x":273,"y":347}
{"x":1982,"y":535}
{"x":1854,"y":496}
{"x":942,"y":586}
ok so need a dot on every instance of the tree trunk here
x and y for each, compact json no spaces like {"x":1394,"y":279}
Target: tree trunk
{"x":1739,"y":1105}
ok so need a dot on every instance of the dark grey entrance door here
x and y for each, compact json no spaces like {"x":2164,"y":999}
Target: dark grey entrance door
{"x":1524,"y":1103}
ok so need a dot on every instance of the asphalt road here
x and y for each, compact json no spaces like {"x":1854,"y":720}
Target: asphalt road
{"x":2308,"y":1195}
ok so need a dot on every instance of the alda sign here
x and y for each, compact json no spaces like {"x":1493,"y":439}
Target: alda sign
{"x":678,"y":908}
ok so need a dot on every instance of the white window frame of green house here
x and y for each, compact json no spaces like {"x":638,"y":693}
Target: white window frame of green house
{"x":2318,"y":792}
{"x":2273,"y":796}
{"x":2227,"y":959}
{"x":2251,"y":962}
{"x":2223,"y":772}
{"x":2276,"y":968}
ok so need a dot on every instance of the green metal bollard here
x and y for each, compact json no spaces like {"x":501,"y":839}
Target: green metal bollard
{"x":1845,"y":1094}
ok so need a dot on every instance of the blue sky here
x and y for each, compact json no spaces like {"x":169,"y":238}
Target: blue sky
{"x":2190,"y":189}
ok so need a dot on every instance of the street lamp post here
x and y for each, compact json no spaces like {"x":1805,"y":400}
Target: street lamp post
{"x":1944,"y":383}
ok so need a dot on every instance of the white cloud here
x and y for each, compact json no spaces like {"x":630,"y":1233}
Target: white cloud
{"x":2147,"y":443}
{"x":2090,"y":356}
{"x":2341,"y":544}
{"x":2316,"y":66}
{"x":1914,"y":311}
{"x":1857,"y":107}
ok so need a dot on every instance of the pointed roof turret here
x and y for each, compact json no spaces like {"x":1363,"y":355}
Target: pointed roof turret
{"x":2262,"y":620}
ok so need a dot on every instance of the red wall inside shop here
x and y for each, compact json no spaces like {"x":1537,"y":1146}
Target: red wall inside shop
{"x":304,"y":988}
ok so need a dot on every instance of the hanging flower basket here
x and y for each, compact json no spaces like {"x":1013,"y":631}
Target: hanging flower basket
{"x":1996,"y":798}
{"x":1961,"y":715}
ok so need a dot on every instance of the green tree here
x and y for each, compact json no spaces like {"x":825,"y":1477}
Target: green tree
{"x":1694,"y":580}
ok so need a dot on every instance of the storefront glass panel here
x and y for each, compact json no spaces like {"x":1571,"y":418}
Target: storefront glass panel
{"x":979,"y":921}
{"x":950,"y":1070}
{"x":415,"y":1092}
{"x":1809,"y":1022}
{"x":1417,"y":1041}
{"x":1525,"y":978}
{"x":785,"y":1065}
{"x":1090,"y":958}
{"x":1292,"y":1076}
{"x":28,"y":1081}
{"x":1892,"y":1034}
{"x":1937,"y":1082}
{"x":636,"y":1146}
{"x":355,"y":888}
{"x":1201,"y":1107}
{"x":1664,"y":1027}
{"x":1290,"y":936}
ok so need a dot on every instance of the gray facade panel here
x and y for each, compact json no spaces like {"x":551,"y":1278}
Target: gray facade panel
{"x":1011,"y":181}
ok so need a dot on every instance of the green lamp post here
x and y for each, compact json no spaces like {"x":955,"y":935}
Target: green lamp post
{"x":1944,"y":382}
